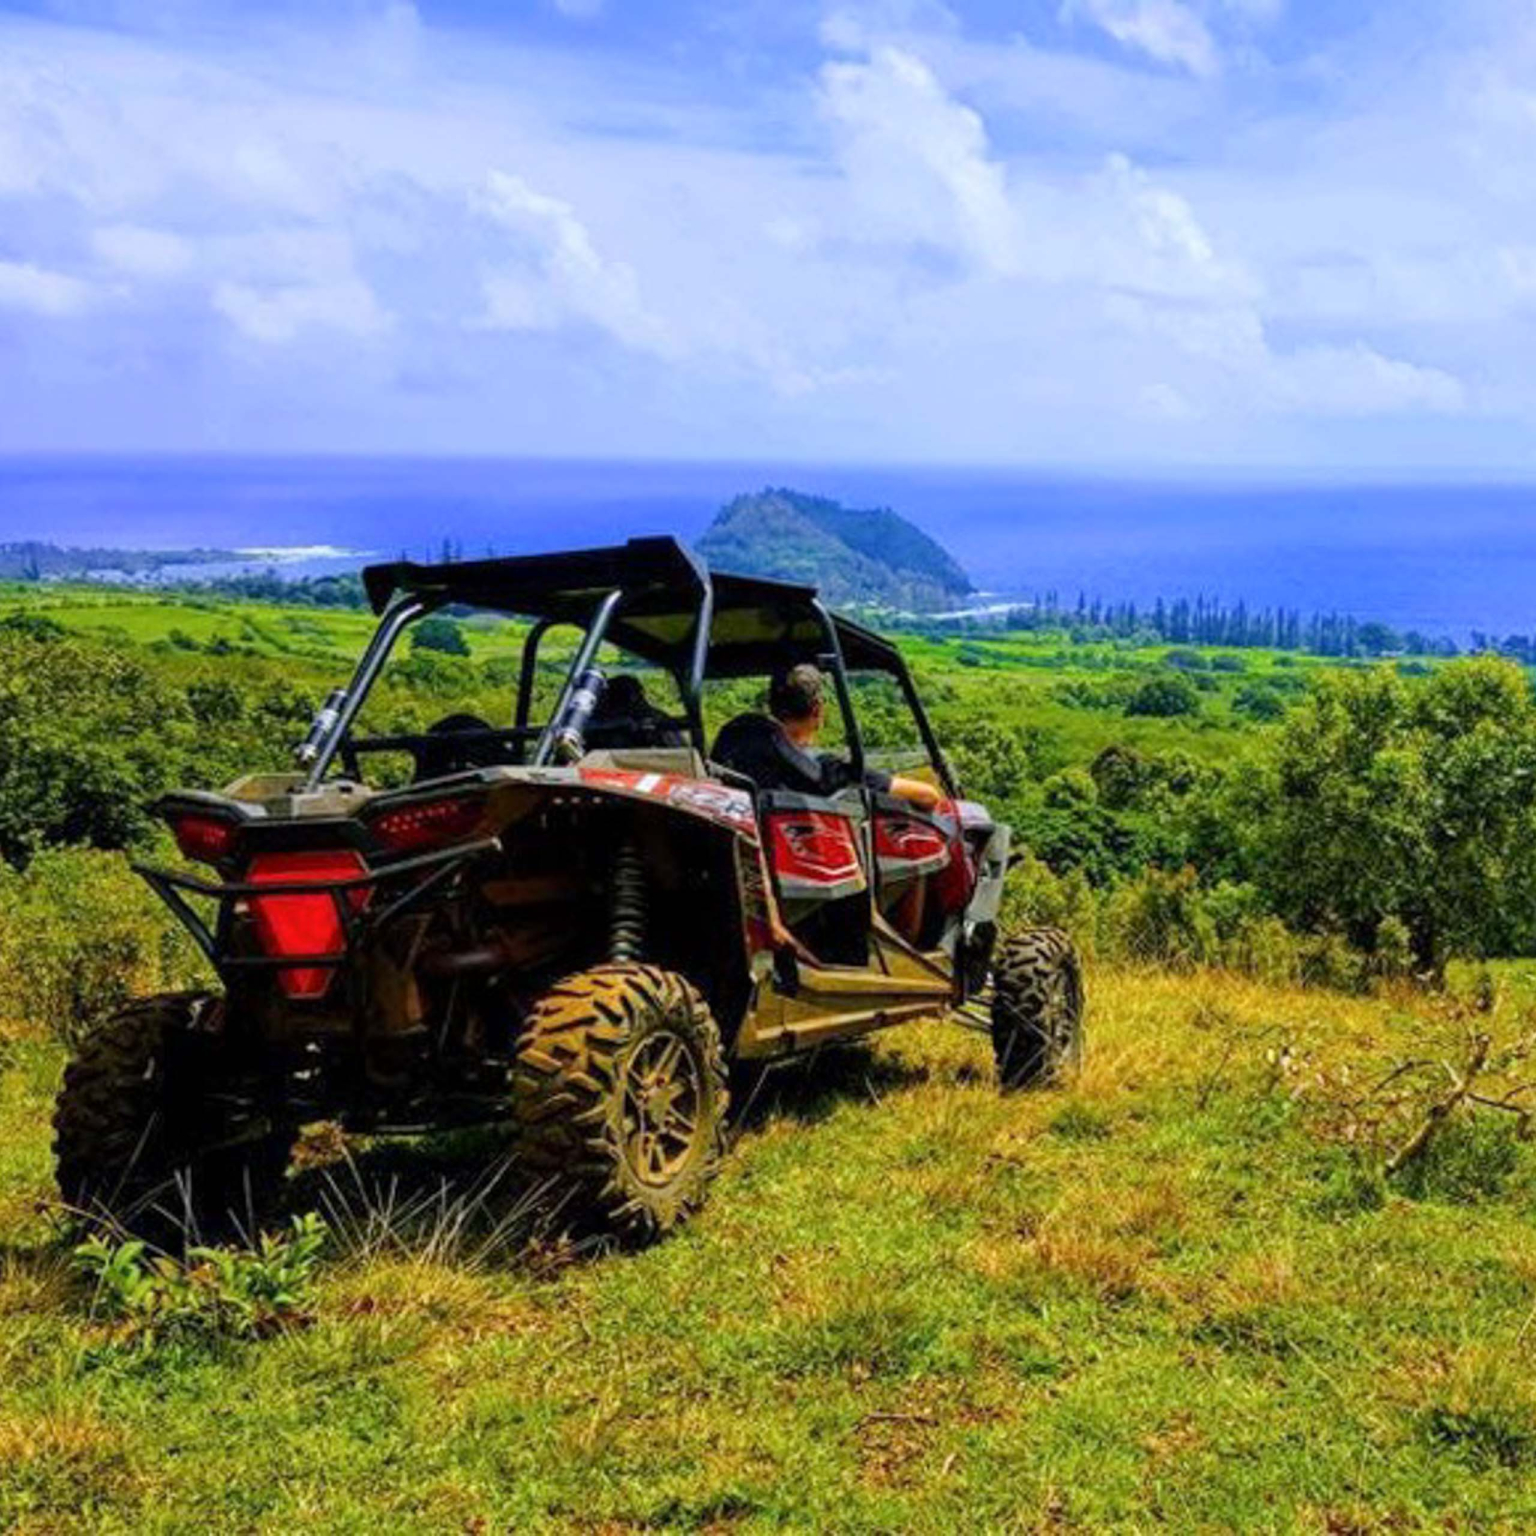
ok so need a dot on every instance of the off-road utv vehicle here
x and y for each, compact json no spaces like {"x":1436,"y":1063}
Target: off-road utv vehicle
{"x":578,"y":925}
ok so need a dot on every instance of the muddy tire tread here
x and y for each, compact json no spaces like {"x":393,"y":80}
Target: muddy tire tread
{"x":1032,"y":1046}
{"x":567,"y":1078}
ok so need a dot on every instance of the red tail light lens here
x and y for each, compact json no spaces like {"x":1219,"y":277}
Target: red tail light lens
{"x":207,"y":839}
{"x":299,"y":924}
{"x":429,"y":824}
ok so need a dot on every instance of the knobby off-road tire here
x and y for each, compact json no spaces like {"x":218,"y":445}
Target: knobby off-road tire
{"x":143,"y":1140}
{"x":1037,"y":1009}
{"x":620,"y":1097}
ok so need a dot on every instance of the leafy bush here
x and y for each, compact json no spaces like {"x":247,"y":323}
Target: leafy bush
{"x":1259,"y":701}
{"x":1036,"y":898}
{"x":994,"y":762}
{"x":216,"y":1293}
{"x":1186,"y":660}
{"x":1162,"y":919}
{"x":1121,"y":773}
{"x":86,"y":732}
{"x":439,"y":634}
{"x":1384,"y":801}
{"x":1164,"y":698}
{"x":1081,"y":693}
{"x":33,"y":626}
{"x":80,"y":934}
{"x":1070,"y":788}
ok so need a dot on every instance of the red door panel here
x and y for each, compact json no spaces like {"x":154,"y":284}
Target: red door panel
{"x":815,"y":855}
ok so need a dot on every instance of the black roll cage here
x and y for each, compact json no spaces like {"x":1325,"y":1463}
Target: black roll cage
{"x":402,"y":606}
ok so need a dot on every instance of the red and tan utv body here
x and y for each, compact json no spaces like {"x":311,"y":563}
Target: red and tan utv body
{"x":575,"y":926}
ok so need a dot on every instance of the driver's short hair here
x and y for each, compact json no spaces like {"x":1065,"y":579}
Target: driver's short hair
{"x":797,"y":692}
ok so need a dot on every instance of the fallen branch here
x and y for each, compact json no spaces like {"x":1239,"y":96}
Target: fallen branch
{"x":1440,"y":1112}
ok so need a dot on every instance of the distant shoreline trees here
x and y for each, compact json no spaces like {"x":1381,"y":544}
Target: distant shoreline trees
{"x":1208,"y":621}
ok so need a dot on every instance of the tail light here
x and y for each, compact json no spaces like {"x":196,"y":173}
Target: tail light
{"x":428,"y":823}
{"x":301,"y":924}
{"x":205,"y":839}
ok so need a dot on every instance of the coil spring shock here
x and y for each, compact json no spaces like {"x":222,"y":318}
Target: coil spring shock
{"x":626,"y":922}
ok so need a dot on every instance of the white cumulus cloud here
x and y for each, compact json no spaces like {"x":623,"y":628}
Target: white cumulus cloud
{"x":42,"y":292}
{"x":552,"y":272}
{"x":143,"y":252}
{"x":918,"y":160}
{"x":277,"y":315}
{"x":1166,"y":31}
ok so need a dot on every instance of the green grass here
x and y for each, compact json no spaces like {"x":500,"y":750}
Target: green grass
{"x":1169,"y":1297}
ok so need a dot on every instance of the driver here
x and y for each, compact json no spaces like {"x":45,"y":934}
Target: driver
{"x":775,"y":750}
{"x":624,"y":709}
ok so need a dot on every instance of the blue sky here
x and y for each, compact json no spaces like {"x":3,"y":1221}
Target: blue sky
{"x":1107,"y":233}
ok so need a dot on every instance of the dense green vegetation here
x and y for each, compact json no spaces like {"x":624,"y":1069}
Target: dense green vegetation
{"x":1211,"y":1286}
{"x":1353,"y":802}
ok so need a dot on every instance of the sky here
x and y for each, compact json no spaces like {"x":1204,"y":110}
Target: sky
{"x":1105,"y":234}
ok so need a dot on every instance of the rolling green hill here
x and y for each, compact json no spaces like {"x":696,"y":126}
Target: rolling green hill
{"x":854,"y":555}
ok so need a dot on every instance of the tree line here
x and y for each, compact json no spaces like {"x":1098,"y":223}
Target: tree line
{"x":1209,"y":621}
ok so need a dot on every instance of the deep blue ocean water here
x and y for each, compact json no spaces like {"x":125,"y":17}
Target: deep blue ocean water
{"x":1439,"y":556}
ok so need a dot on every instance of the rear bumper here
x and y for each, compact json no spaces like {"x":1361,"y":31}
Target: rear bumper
{"x":421,"y":875}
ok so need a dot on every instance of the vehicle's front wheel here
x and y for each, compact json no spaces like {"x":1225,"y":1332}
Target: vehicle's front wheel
{"x":1037,"y":1008}
{"x":151,"y":1136}
{"x":620,"y":1096}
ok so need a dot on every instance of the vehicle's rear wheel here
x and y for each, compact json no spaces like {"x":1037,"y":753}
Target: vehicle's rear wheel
{"x":151,"y":1136}
{"x":1037,"y":1009}
{"x":620,"y":1096}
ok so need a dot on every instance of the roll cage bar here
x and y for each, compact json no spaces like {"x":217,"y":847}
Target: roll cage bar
{"x":630,"y":595}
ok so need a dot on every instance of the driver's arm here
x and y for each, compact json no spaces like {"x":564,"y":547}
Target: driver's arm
{"x":914,"y":791}
{"x":925,"y":796}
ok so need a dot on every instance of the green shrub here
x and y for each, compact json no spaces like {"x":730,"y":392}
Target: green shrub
{"x":1259,"y":701}
{"x":1069,"y":789}
{"x":1383,"y":800}
{"x":1037,"y":897}
{"x":1162,"y":919}
{"x":1392,"y":956}
{"x":33,"y":626}
{"x":1186,"y":660}
{"x":1121,"y":774}
{"x":1164,"y":698}
{"x":80,"y":934}
{"x":1327,"y":960}
{"x":216,"y":1293}
{"x":439,"y":634}
{"x":1263,"y":947}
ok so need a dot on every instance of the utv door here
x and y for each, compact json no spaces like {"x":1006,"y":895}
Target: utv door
{"x":818,"y":854}
{"x":923,"y":870}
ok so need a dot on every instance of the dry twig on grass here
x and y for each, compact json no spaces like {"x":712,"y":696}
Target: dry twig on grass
{"x":1442,"y":1110}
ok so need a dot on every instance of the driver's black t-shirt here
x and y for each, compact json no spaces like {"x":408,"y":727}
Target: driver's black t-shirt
{"x":759,"y":747}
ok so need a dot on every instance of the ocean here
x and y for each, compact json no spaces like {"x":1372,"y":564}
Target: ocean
{"x":1438,"y":556}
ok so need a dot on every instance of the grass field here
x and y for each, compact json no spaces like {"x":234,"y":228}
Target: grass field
{"x":1172,"y":1296}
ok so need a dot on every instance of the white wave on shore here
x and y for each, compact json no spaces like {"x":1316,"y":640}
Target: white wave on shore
{"x":287,"y":553}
